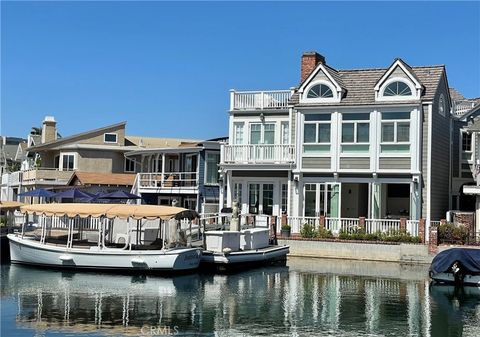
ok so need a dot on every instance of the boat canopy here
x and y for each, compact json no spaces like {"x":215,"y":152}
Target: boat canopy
{"x":123,"y":211}
{"x":469,"y":258}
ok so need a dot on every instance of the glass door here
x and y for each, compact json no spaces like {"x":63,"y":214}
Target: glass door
{"x":260,"y":199}
{"x":322,"y":199}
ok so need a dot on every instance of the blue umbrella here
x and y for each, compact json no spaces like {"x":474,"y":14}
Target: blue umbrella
{"x":39,"y":192}
{"x":94,"y":197}
{"x":73,"y":194}
{"x":120,"y":195}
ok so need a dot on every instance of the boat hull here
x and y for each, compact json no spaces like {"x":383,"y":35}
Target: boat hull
{"x":26,"y":251}
{"x":276,"y":255}
{"x":449,"y":278}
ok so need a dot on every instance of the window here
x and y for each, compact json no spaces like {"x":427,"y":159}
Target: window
{"x":285,"y":133}
{"x":110,"y":137}
{"x":395,"y":132}
{"x":355,"y":132}
{"x":237,"y":194}
{"x":68,"y":162}
{"x":238,"y":133}
{"x":397,"y":88}
{"x":316,"y":133}
{"x":320,"y":91}
{"x":441,"y":105}
{"x":57,"y":162}
{"x":211,"y":174}
{"x":466,"y":146}
{"x":262,"y":133}
{"x":129,"y":165}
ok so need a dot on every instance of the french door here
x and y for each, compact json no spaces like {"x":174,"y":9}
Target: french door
{"x":322,"y":199}
{"x":260,"y":198}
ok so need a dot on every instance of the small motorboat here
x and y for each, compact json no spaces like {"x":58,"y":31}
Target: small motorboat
{"x":459,"y":266}
{"x":104,"y":237}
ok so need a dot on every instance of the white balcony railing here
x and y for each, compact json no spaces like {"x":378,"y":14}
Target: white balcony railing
{"x":461,"y":107}
{"x":258,"y":154}
{"x":252,"y":100}
{"x":167,"y":179}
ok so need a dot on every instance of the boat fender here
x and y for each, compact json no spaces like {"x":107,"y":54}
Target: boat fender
{"x":65,"y":257}
{"x":137,"y":260}
{"x":226,"y":250}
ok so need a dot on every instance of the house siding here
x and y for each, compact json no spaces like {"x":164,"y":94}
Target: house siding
{"x":395,"y":163}
{"x":355,"y":163}
{"x":424,"y":140}
{"x":316,"y":163}
{"x":100,"y":161}
{"x":440,"y":161}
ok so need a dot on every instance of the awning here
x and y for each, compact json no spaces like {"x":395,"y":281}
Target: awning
{"x":110,"y":211}
{"x":10,"y":205}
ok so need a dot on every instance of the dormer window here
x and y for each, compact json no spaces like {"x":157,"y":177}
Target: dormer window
{"x":397,"y":88}
{"x":110,"y":137}
{"x":320,"y":91}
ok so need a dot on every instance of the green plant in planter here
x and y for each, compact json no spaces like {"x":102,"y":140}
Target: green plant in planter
{"x":307,"y":231}
{"x":286,"y":229}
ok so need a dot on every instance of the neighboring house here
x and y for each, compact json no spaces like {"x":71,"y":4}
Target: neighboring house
{"x":464,"y":147}
{"x":344,"y":144}
{"x":11,"y":156}
{"x":185,"y":174}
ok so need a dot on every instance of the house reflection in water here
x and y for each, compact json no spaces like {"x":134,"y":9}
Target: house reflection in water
{"x":261,"y":302}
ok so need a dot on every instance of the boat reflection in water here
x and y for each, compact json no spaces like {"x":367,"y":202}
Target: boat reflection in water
{"x":271,"y":301}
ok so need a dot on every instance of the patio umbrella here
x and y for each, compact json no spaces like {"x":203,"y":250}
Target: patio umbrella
{"x":94,"y":197}
{"x":39,"y":192}
{"x":120,"y":195}
{"x":73,"y":194}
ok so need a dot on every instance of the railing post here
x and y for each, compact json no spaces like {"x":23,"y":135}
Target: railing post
{"x":262,"y":97}
{"x":361,"y":223}
{"x":284,"y":219}
{"x":321,"y":223}
{"x":232,"y":99}
{"x":421,"y":230}
{"x":403,"y":225}
{"x":433,"y":240}
{"x":273,"y":229}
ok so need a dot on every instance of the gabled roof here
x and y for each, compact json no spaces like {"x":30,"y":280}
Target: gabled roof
{"x":96,"y":178}
{"x":76,"y":137}
{"x":398,"y":62}
{"x":331,"y":73}
{"x":360,"y":85}
{"x":456,"y":95}
{"x":150,"y":142}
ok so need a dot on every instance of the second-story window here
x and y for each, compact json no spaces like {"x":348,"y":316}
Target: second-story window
{"x":262,"y":133}
{"x":110,"y":137}
{"x":129,"y":165}
{"x":238,"y":133}
{"x":285,"y":133}
{"x":68,"y":162}
{"x":355,"y":132}
{"x":211,"y":172}
{"x":466,"y":146}
{"x":316,"y":133}
{"x":395,"y":132}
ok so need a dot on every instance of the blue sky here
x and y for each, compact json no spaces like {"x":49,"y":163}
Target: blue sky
{"x":166,"y":68}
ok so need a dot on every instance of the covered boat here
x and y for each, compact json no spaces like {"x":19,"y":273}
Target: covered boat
{"x":105,"y":236}
{"x":459,"y":266}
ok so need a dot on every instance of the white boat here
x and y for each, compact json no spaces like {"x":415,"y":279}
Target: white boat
{"x":102,"y":236}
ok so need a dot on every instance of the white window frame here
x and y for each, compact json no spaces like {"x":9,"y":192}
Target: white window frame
{"x":110,"y":133}
{"x":235,"y":138}
{"x":285,"y":127}
{"x":64,"y":154}
{"x":329,"y":143}
{"x":125,"y":165}
{"x":462,"y":151}
{"x":262,"y":133}
{"x":334,"y":98}
{"x":355,"y":123}
{"x":395,"y":134}
{"x":413,"y":96}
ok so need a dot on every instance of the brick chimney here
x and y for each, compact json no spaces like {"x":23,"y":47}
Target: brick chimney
{"x":49,"y":129}
{"x":309,"y":62}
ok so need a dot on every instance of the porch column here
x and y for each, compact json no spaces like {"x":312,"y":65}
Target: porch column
{"x":156,"y":162}
{"x":163,"y":168}
{"x":415,"y":203}
{"x":376,"y":203}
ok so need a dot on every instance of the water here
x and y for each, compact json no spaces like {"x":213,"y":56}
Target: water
{"x":309,"y":297}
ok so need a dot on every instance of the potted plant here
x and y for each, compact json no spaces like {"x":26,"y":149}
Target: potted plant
{"x":286,"y":229}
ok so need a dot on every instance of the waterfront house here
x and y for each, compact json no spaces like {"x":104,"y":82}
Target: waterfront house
{"x":184,"y":172}
{"x":343,"y":144}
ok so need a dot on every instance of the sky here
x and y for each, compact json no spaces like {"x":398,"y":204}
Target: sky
{"x":167,"y":68}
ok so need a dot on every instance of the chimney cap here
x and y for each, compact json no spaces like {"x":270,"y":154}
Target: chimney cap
{"x":49,"y":119}
{"x":319,"y":58}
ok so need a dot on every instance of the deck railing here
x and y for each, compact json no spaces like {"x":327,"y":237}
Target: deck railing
{"x":46,"y":175}
{"x":258,"y":154}
{"x":252,"y":100}
{"x":167,"y":179}
{"x":461,"y":107}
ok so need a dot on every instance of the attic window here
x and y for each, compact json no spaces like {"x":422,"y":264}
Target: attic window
{"x":320,"y":91}
{"x":397,"y":88}
{"x":110,"y":137}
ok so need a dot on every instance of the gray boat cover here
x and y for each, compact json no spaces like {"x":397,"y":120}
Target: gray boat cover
{"x":469,"y":258}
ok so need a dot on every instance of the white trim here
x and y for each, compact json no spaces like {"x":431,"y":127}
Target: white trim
{"x":429,"y":171}
{"x":125,"y":165}
{"x":336,"y":93}
{"x":379,"y":95}
{"x":390,"y":71}
{"x":75,"y":160}
{"x":110,"y":133}
{"x":320,"y":66}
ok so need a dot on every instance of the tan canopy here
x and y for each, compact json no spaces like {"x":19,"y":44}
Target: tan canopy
{"x":10,"y":205}
{"x":110,"y":211}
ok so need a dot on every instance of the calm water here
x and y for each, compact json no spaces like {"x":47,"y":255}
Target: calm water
{"x":310,"y":297}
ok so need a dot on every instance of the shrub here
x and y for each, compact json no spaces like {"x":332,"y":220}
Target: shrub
{"x":286,"y":227}
{"x":392,"y":236}
{"x":449,"y":233}
{"x":324,"y":233}
{"x":307,"y":231}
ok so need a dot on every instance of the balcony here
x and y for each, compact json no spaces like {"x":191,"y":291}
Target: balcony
{"x":259,"y":100}
{"x":46,"y":176}
{"x":462,"y":107}
{"x":171,"y":181}
{"x":258,"y":154}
